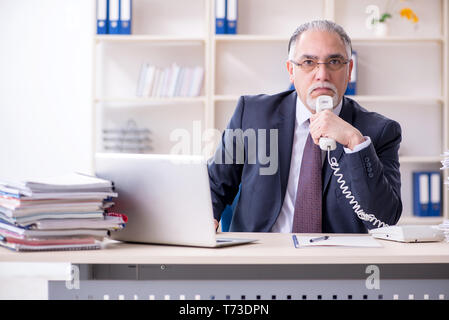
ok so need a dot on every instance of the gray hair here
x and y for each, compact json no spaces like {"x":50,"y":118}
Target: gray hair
{"x":321,"y":25}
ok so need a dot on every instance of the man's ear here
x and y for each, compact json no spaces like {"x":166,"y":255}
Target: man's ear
{"x":351,"y":65}
{"x":290,"y":69}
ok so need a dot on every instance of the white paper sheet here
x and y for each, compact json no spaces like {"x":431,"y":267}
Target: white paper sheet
{"x":342,"y":241}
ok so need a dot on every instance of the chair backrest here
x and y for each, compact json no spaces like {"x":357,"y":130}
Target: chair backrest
{"x":226,"y":216}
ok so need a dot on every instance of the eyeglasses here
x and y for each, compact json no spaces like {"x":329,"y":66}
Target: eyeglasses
{"x":333,"y":64}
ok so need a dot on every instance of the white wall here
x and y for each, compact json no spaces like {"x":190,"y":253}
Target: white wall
{"x":45,"y":87}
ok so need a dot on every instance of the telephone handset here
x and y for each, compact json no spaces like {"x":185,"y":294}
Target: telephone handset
{"x":327,"y":144}
{"x":323,"y":103}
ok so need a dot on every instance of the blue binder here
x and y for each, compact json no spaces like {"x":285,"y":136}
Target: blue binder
{"x":351,"y":90}
{"x":102,"y":16}
{"x":231,"y":17}
{"x":421,"y":193}
{"x":114,"y":16}
{"x":220,"y":16}
{"x":435,"y":194}
{"x":125,"y":16}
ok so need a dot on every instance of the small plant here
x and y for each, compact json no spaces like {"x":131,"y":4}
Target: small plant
{"x":382,"y":19}
{"x":390,"y":10}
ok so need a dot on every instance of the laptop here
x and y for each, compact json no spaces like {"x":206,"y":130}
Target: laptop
{"x":167,"y":199}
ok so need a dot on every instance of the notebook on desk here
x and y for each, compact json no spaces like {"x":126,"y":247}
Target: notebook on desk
{"x":166,"y":197}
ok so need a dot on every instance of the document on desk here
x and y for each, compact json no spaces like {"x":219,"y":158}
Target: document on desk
{"x":335,"y":241}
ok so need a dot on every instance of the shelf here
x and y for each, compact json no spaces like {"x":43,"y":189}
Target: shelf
{"x":408,"y":99}
{"x":149,"y":39}
{"x":169,"y":100}
{"x":409,"y":219}
{"x":397,"y":39}
{"x":361,"y":98}
{"x":355,"y":40}
{"x":231,"y":98}
{"x":251,"y":38}
{"x":417,"y":159}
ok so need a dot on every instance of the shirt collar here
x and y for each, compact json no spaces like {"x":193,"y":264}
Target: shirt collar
{"x":303,"y":113}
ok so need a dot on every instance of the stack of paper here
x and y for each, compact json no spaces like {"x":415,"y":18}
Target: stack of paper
{"x":445,"y":227}
{"x":445,"y":163}
{"x":58,"y":213}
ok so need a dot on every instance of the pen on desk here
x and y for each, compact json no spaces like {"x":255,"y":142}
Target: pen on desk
{"x":295,"y":241}
{"x":319,"y":239}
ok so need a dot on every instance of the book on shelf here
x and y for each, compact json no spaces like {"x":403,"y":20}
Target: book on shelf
{"x":231,"y":16}
{"x":226,"y":16}
{"x":54,"y":220}
{"x":141,"y":80}
{"x":148,"y":79}
{"x":173,"y":81}
{"x":220,"y":16}
{"x":113,"y":16}
{"x":427,"y":193}
{"x":195,"y":88}
{"x":102,"y":16}
{"x":125,"y":17}
{"x":351,"y":90}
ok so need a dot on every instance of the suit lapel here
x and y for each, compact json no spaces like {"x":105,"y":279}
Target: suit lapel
{"x":286,"y":129}
{"x":345,"y":114}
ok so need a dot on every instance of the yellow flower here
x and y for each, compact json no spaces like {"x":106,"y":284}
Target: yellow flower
{"x":409,"y":14}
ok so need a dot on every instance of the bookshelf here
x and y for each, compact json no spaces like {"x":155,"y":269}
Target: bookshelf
{"x":393,"y":77}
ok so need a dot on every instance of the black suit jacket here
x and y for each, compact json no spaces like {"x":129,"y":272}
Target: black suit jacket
{"x":371,"y":174}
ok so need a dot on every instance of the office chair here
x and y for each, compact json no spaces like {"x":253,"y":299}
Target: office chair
{"x":226,"y":216}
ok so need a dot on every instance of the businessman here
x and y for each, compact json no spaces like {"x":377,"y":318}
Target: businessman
{"x":303,"y":193}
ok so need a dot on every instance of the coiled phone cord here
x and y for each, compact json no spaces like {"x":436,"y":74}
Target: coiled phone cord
{"x":355,"y":205}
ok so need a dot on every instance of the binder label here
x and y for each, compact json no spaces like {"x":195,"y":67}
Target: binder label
{"x":101,"y":9}
{"x":125,"y":10}
{"x":113,"y":10}
{"x":423,"y":189}
{"x":435,"y":188}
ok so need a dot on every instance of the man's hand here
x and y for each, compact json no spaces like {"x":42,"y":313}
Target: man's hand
{"x":327,"y":124}
{"x":216,"y":224}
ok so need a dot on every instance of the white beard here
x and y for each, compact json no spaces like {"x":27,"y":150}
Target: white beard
{"x":311,"y":102}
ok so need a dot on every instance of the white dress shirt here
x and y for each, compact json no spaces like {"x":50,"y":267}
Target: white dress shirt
{"x":284,"y":221}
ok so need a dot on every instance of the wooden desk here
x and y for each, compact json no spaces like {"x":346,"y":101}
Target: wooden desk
{"x":272,"y":267}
